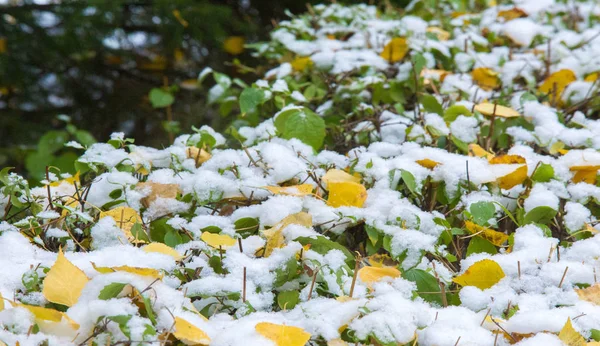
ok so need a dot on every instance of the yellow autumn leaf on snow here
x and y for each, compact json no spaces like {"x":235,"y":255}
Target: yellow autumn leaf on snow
{"x":590,"y":294}
{"x":300,"y":63}
{"x":64,"y":282}
{"x":494,"y":237}
{"x":157,"y":190}
{"x":427,"y":163}
{"x":71,"y":180}
{"x":557,"y":82}
{"x":381,"y":260}
{"x":569,"y":336}
{"x":163,"y":249}
{"x":198,"y":155}
{"x":486,"y":78}
{"x":346,"y":194}
{"x":558,"y":148}
{"x":295,"y":190}
{"x":49,"y":315}
{"x":592,"y":77}
{"x":514,"y":178}
{"x":395,"y":50}
{"x":586,"y":174}
{"x":218,"y":240}
{"x":337,"y":175}
{"x":189,"y":334}
{"x":370,"y":275}
{"x":234,"y":45}
{"x":477,"y":150}
{"x":440,"y":33}
{"x":133,"y":270}
{"x":125,"y":217}
{"x":490,"y":110}
{"x":283,"y":335}
{"x":511,"y":14}
{"x":274,"y":235}
{"x":337,"y":342}
{"x":1,"y":302}
{"x":591,"y":229}
{"x":482,"y":274}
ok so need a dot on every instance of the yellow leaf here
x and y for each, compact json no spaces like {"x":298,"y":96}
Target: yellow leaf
{"x":198,"y":155}
{"x":180,"y":19}
{"x":592,"y":77}
{"x":336,"y":342}
{"x":432,"y":74}
{"x":490,"y":109}
{"x":570,"y":337}
{"x":274,"y":235}
{"x":157,"y":190}
{"x":477,"y":150}
{"x":486,"y":78}
{"x":482,"y":274}
{"x":590,"y":294}
{"x":494,"y":237}
{"x":586,"y":174}
{"x":163,"y":249}
{"x":381,"y":260}
{"x":218,"y":240}
{"x":295,"y":190}
{"x":591,"y":229}
{"x":514,"y":178}
{"x":557,"y":147}
{"x":125,"y":217}
{"x":511,"y":14}
{"x":234,"y":45}
{"x":283,"y":335}
{"x":133,"y":270}
{"x":2,"y":45}
{"x":1,"y":302}
{"x":427,"y":163}
{"x":299,"y":64}
{"x":346,"y":194}
{"x":338,"y":176}
{"x":64,"y":282}
{"x":395,"y":50}
{"x":70,"y":180}
{"x":189,"y":334}
{"x":441,"y":34}
{"x":370,"y":275}
{"x":557,"y":82}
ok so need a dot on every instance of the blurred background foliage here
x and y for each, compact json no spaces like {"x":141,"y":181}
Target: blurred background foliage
{"x":118,"y":65}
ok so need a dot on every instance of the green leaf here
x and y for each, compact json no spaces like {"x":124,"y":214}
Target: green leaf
{"x":122,"y":321}
{"x":287,"y":300}
{"x":419,"y":63}
{"x":595,"y":334}
{"x":480,"y":245}
{"x":409,"y":181}
{"x":111,"y":291}
{"x":148,"y":308}
{"x":287,"y":273}
{"x":431,"y":104}
{"x":302,"y":124}
{"x":543,"y":215}
{"x":322,"y":245}
{"x":453,"y":112}
{"x":482,"y":211}
{"x":84,"y":137}
{"x":427,"y":285}
{"x":250,"y":98}
{"x":246,"y":226}
{"x":543,"y":174}
{"x":173,"y":238}
{"x":52,"y":141}
{"x":137,"y":231}
{"x":160,"y":98}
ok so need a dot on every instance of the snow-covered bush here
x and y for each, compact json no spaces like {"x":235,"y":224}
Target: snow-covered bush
{"x":420,"y":177}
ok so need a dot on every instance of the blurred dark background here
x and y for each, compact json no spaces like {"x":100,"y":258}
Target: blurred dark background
{"x":95,"y":61}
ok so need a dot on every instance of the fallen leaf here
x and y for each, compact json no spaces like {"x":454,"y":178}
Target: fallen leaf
{"x":592,"y":77}
{"x":494,"y":237}
{"x":490,"y":109}
{"x":395,"y":50}
{"x":283,"y":335}
{"x":569,"y":336}
{"x":133,"y":270}
{"x":590,"y":294}
{"x":427,"y":163}
{"x":440,"y":33}
{"x":64,"y":282}
{"x":300,"y":63}
{"x":477,"y":150}
{"x":163,"y":249}
{"x":51,"y":321}
{"x":274,"y":235}
{"x":1,"y":302}
{"x":218,"y":240}
{"x":198,"y":155}
{"x":125,"y":217}
{"x":157,"y":190}
{"x":486,"y":78}
{"x":514,"y":178}
{"x":71,"y":180}
{"x":189,"y":334}
{"x":482,"y":274}
{"x":511,"y":14}
{"x":295,"y":190}
{"x":371,"y":275}
{"x":234,"y":45}
{"x":591,"y":229}
{"x":557,"y":82}
{"x":337,"y":342}
{"x":346,"y":194}
{"x":338,"y":176}
{"x":586,"y":174}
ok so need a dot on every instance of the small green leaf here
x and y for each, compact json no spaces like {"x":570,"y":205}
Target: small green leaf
{"x":111,"y":291}
{"x":543,"y":215}
{"x":160,"y":98}
{"x":480,"y":245}
{"x":431,"y":104}
{"x":246,"y":226}
{"x":453,"y":112}
{"x":409,"y":181}
{"x":250,"y":98}
{"x":287,"y":300}
{"x":482,"y":211}
{"x":427,"y":285}
{"x":543,"y":174}
{"x":419,"y":63}
{"x":322,"y":245}
{"x":595,"y":334}
{"x":122,"y":321}
{"x":137,"y":231}
{"x":302,"y":124}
